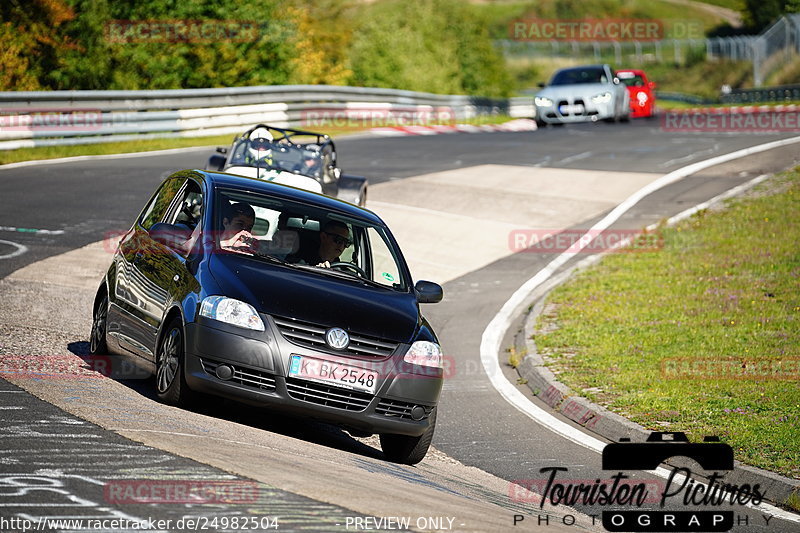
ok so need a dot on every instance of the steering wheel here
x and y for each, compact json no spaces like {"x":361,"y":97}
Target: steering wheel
{"x":344,"y":264}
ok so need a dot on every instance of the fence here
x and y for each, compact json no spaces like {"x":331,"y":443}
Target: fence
{"x":618,"y":52}
{"x":768,"y":51}
{"x":47,"y":118}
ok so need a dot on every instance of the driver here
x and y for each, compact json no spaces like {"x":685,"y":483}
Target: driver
{"x":259,"y":148}
{"x":333,"y":239}
{"x":309,"y":166}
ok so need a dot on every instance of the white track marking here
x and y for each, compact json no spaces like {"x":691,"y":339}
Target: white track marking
{"x":493,"y":334}
{"x":20,"y":249}
{"x":32,"y":230}
{"x":73,"y":159}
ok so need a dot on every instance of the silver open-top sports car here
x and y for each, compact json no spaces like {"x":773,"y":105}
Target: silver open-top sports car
{"x":293,"y":157}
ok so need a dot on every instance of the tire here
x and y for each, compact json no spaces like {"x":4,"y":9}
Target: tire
{"x":97,"y":337}
{"x":171,"y":387}
{"x":408,"y":450}
{"x":540,"y":124}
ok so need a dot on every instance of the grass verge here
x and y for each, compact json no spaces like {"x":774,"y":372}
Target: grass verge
{"x":52,"y":152}
{"x":677,"y":339}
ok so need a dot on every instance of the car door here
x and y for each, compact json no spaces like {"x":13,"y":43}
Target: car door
{"x":163,"y":274}
{"x":146,"y":268}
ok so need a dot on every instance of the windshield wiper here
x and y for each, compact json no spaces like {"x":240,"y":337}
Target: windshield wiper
{"x":273,"y":259}
{"x":344,"y":274}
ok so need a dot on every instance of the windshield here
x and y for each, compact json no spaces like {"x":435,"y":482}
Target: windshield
{"x":630,"y":79}
{"x":285,"y":156}
{"x":572,"y":76}
{"x":303,"y":236}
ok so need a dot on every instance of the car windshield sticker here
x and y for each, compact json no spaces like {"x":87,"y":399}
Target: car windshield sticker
{"x":388,"y":277}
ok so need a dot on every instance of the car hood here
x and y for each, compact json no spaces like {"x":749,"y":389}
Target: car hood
{"x":318,"y":298}
{"x":277,"y":176}
{"x":582,"y":90}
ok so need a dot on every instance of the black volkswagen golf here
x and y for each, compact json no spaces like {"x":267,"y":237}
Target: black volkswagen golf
{"x":277,"y":297}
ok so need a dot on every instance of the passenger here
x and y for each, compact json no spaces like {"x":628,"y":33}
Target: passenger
{"x":237,"y":222}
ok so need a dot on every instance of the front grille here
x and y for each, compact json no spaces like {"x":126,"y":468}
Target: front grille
{"x":318,"y":393}
{"x":399,"y":409}
{"x":313,"y":336}
{"x":243,"y":376}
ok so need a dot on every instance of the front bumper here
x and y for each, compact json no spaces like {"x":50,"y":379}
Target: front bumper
{"x":568,"y":111}
{"x":402,"y":403}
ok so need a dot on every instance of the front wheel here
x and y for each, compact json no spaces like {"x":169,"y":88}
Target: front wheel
{"x":97,"y":338}
{"x":408,"y":450}
{"x":171,"y":385}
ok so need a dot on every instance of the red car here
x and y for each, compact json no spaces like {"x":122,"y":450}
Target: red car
{"x":641,"y":91}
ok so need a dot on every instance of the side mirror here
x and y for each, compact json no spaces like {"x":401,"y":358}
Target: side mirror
{"x":215,"y":162}
{"x":652,"y":85}
{"x":616,"y":80}
{"x":541,"y":85}
{"x":428,"y":292}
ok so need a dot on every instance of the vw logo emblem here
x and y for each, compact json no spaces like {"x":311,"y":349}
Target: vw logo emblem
{"x":337,"y":338}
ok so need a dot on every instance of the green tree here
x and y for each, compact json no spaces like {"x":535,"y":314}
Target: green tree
{"x":322,"y":40}
{"x":256,"y":56}
{"x":758,"y":14}
{"x":31,"y":36}
{"x":435,"y":46}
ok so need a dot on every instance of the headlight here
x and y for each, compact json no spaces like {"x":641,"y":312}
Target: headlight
{"x":424,"y":353}
{"x":542,"y":101}
{"x":231,"y":312}
{"x":603,"y":98}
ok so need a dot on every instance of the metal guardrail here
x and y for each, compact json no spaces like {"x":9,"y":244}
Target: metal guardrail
{"x":48,"y":118}
{"x":685,"y":98}
{"x":765,"y":95}
{"x":782,"y":93}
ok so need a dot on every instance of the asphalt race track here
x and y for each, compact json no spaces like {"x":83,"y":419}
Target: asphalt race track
{"x":452,"y":201}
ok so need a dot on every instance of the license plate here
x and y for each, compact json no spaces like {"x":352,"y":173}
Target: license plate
{"x":571,"y":109}
{"x":332,"y":373}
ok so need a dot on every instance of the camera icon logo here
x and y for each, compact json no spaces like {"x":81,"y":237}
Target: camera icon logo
{"x":711,"y":454}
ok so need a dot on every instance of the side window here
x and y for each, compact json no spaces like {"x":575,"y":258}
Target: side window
{"x":158,"y":206}
{"x":384,"y":267}
{"x":189,"y":208}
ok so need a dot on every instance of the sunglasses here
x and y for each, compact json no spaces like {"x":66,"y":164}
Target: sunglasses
{"x":339,"y":240}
